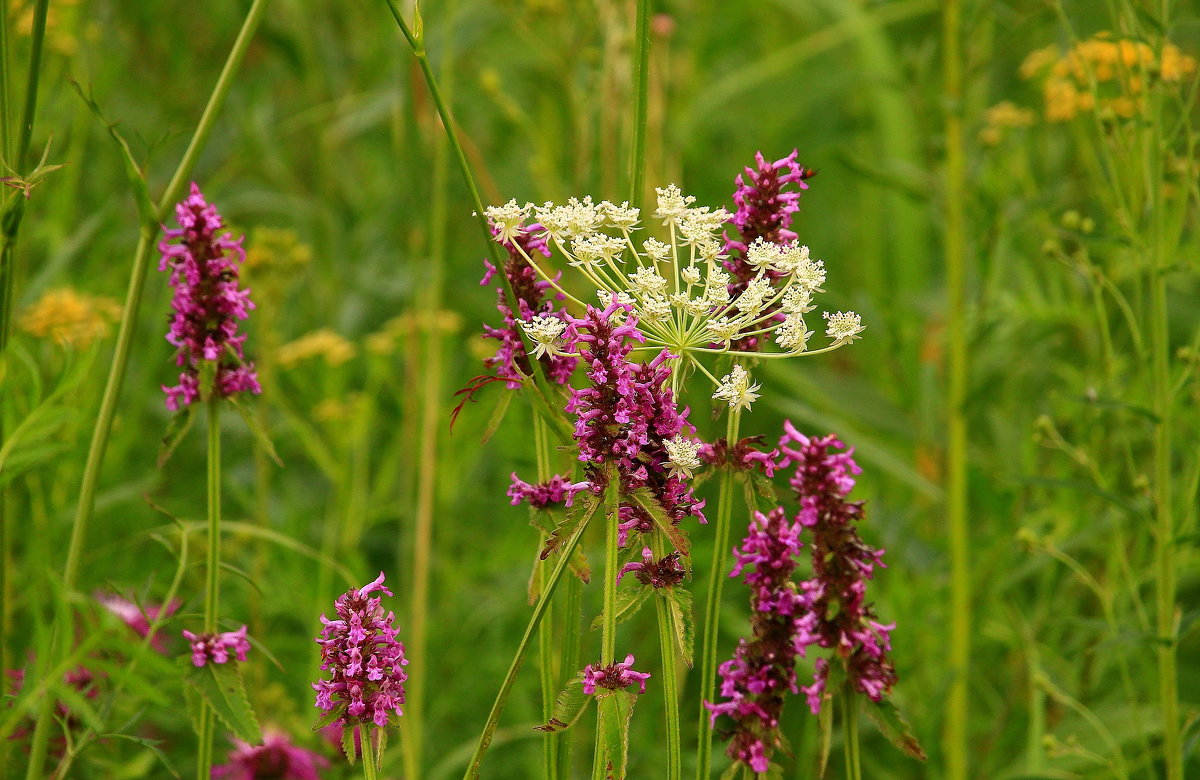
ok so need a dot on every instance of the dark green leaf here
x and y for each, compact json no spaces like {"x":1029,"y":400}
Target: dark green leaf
{"x":616,"y":709}
{"x":328,"y":718}
{"x":629,"y":602}
{"x":348,"y":743}
{"x":221,"y":686}
{"x":256,"y":429}
{"x":580,"y":513}
{"x":149,"y":744}
{"x":894,"y":726}
{"x":646,"y":500}
{"x":180,"y":424}
{"x":679,"y":603}
{"x":569,"y":706}
{"x":497,"y":417}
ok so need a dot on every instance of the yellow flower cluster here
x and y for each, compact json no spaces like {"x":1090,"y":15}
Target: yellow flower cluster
{"x":60,"y":32}
{"x":1104,"y":74}
{"x":69,"y":317}
{"x":331,"y":347}
{"x":1001,"y":117}
{"x":276,"y":249}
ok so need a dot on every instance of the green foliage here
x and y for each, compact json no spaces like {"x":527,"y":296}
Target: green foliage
{"x":220,"y":686}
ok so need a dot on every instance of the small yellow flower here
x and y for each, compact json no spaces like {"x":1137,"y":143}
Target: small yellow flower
{"x":276,"y":249}
{"x":331,"y":347}
{"x":69,"y":317}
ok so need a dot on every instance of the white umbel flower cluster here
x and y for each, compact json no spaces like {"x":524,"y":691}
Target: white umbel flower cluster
{"x":682,"y":456}
{"x":677,"y":284}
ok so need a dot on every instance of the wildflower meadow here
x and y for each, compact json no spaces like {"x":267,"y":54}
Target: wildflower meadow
{"x":599,"y":389}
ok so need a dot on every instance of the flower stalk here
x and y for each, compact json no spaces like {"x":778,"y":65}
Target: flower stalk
{"x":712,"y":604}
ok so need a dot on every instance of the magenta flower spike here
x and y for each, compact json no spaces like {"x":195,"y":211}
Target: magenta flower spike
{"x":557,"y":490}
{"x":364,"y":660}
{"x":619,"y":675}
{"x":217,"y":647}
{"x":277,"y":757}
{"x":207,"y":304}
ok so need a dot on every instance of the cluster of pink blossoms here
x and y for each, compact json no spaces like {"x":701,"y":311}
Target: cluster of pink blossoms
{"x":276,"y":757}
{"x":829,"y":610}
{"x":511,"y":361}
{"x":207,"y":304}
{"x":764,"y":211}
{"x":364,"y":660}
{"x":217,"y":647}
{"x":615,"y":677}
{"x":557,"y":490}
{"x":626,"y":415}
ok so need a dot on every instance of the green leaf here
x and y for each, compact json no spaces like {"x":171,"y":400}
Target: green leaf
{"x":646,"y":500}
{"x":348,"y":743}
{"x":891,"y":722}
{"x":569,"y":707}
{"x":731,"y":771}
{"x":328,"y":718}
{"x":679,"y":603}
{"x":497,"y":417}
{"x":762,"y":486}
{"x":180,"y":424}
{"x":133,"y":172}
{"x":616,"y":709}
{"x":149,"y":744}
{"x":221,"y":686}
{"x":256,"y":429}
{"x":629,"y":602}
{"x":580,"y":513}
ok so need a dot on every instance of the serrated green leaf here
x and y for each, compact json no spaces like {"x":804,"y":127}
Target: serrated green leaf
{"x":180,"y":424}
{"x":731,"y":771}
{"x":328,"y":718}
{"x":895,"y":727}
{"x":497,"y":417}
{"x":760,"y":486}
{"x":569,"y":706}
{"x":579,"y":514}
{"x":629,"y":602}
{"x":679,"y":603}
{"x":349,"y":744}
{"x":825,"y":735}
{"x":646,"y":500}
{"x":221,"y":686}
{"x":256,"y":429}
{"x":616,"y":710}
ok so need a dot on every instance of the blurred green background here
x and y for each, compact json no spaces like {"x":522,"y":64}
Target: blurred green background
{"x":324,"y":156}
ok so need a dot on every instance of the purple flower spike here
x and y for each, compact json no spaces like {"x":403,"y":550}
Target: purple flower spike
{"x":217,"y":647}
{"x":558,"y":490}
{"x":277,"y":757}
{"x":510,"y":360}
{"x":615,"y":677}
{"x":207,"y":304}
{"x":364,"y":660}
{"x":626,"y":416}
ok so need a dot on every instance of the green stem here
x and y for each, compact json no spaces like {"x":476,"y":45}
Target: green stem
{"x":370,"y":771}
{"x":212,"y":571}
{"x":712,"y":605}
{"x":641,"y":78}
{"x":666,"y":642}
{"x":608,"y":615}
{"x":1164,"y":550}
{"x":547,"y":647}
{"x":850,"y":713}
{"x":539,"y":610}
{"x":957,"y":712}
{"x":573,"y":603}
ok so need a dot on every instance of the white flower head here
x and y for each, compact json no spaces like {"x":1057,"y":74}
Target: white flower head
{"x":691,"y":274}
{"x":622,"y":217}
{"x":647,"y":281}
{"x":791,"y":335}
{"x":736,"y":390}
{"x":672,"y":204}
{"x":544,"y":333}
{"x":682,"y":456}
{"x":508,"y":219}
{"x":595,"y":248}
{"x":754,"y":297}
{"x":698,"y":225}
{"x":623,"y":298}
{"x":797,"y":300}
{"x":792,"y":257}
{"x":722,"y":329}
{"x":656,"y":250}
{"x":760,"y":254}
{"x":810,"y":274}
{"x":843,"y":327}
{"x":654,"y":309}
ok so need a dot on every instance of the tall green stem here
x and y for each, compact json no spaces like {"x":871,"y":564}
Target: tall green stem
{"x":1164,"y":551}
{"x":641,"y":78}
{"x":669,"y":682}
{"x":712,"y":605}
{"x":212,"y":571}
{"x":954,"y":247}
{"x":608,"y":615}
{"x":370,"y":771}
{"x":850,"y":716}
{"x":547,"y":647}
{"x":539,"y":611}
